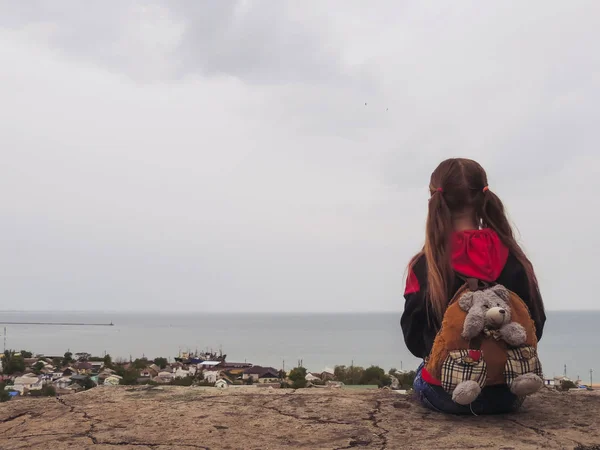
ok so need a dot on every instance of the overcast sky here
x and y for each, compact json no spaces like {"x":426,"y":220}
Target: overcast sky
{"x":219,"y":155}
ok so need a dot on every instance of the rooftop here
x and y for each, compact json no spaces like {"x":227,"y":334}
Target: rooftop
{"x":209,"y":363}
{"x":258,"y":370}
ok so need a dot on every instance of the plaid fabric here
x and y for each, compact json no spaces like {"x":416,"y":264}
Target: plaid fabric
{"x":459,"y":366}
{"x":520,"y":361}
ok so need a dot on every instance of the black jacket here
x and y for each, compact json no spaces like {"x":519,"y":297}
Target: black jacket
{"x":419,"y":327}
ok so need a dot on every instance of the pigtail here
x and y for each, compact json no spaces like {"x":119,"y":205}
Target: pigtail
{"x":493,"y":216}
{"x":437,"y":253}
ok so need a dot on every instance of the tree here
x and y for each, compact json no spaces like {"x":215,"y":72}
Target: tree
{"x":68,"y":359}
{"x":141,"y":363}
{"x":161,"y":362}
{"x":405,"y":379}
{"x":348,"y":375}
{"x":339,"y":373}
{"x":355,"y":374}
{"x":298,"y":377}
{"x":107,"y":361}
{"x":375,"y":375}
{"x":129,"y":376}
{"x":12,"y":363}
{"x":26,"y":354}
{"x":37,"y":367}
{"x":4,"y":395}
{"x":82,"y":357}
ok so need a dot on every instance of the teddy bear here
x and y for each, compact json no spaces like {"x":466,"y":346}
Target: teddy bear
{"x":488,"y":312}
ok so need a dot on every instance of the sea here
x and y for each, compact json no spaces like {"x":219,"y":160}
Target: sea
{"x":317,"y":341}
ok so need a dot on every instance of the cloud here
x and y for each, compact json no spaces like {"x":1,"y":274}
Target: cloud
{"x":246,"y":152}
{"x":259,"y":41}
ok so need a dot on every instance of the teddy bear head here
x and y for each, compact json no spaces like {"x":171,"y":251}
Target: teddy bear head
{"x":492,"y":303}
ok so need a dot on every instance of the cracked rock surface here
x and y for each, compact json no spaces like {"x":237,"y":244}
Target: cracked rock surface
{"x":201,"y":418}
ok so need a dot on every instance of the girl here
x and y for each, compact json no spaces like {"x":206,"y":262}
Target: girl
{"x":467,"y":233}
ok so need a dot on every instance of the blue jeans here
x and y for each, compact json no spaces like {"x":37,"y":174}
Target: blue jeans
{"x":492,"y":400}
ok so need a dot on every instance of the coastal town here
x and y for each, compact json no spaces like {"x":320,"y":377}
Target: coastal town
{"x":26,"y":374}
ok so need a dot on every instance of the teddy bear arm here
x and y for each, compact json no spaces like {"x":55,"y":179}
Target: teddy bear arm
{"x":513,"y":333}
{"x":474,"y":322}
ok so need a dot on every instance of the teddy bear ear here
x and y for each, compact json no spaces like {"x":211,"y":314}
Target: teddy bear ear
{"x":466,"y":301}
{"x":501,"y":292}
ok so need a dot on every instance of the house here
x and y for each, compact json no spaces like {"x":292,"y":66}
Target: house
{"x":312,"y":377}
{"x":104,"y":375}
{"x":96,"y":366}
{"x":67,"y":372}
{"x":155,"y":368}
{"x":27,"y":383}
{"x":209,"y":365}
{"x":233,"y":365}
{"x":29,"y":362}
{"x":48,"y":370}
{"x":148,"y":372}
{"x":108,"y":371}
{"x":62,"y":383}
{"x":84,"y":368}
{"x":211,"y":376}
{"x":223,"y":383}
{"x":234,"y":373}
{"x":112,"y":380}
{"x":56,"y":375}
{"x":163,"y":377}
{"x":181,"y":373}
{"x":327,"y":374}
{"x":260,"y":374}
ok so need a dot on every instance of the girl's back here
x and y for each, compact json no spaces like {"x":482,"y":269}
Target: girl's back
{"x":467,"y":236}
{"x":475,"y":253}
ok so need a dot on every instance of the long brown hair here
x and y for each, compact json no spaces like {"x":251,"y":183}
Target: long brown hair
{"x":460,"y":186}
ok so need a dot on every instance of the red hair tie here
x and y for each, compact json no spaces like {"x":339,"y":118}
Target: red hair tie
{"x":486,"y":188}
{"x":439,"y":190}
